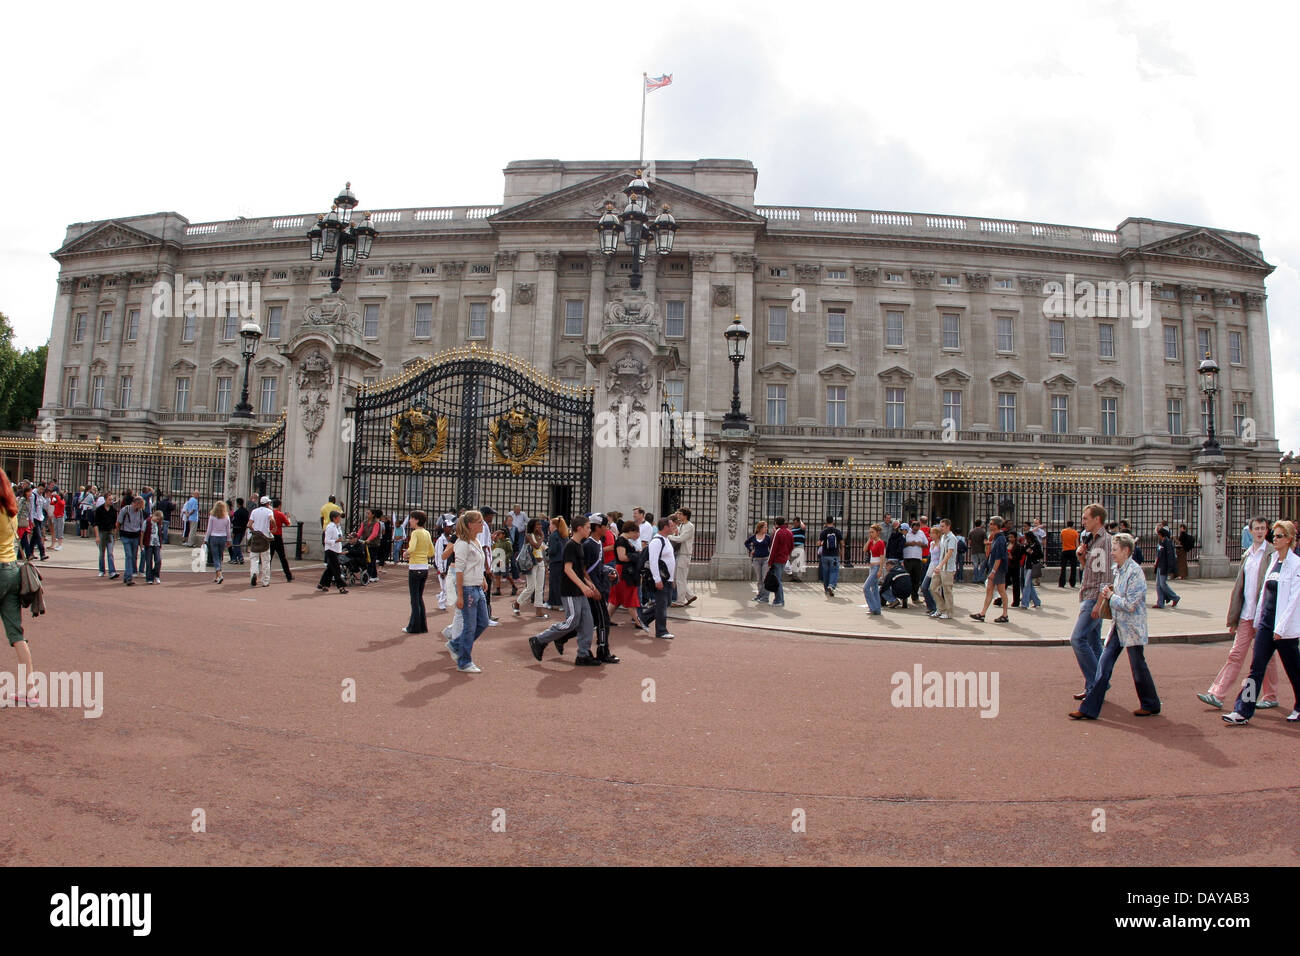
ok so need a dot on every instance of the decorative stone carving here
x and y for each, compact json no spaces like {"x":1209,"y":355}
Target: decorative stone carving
{"x":1197,"y":250}
{"x":505,"y":260}
{"x":1031,"y":284}
{"x":1187,"y":294}
{"x":232,"y":470}
{"x":1254,"y":301}
{"x":866,"y":275}
{"x":1220,"y":497}
{"x":733,"y":493}
{"x":315,"y":380}
{"x":66,"y":285}
{"x":1221,"y":296}
{"x":744,"y":262}
{"x":701,"y":260}
{"x":333,"y":310}
{"x":451,"y":269}
{"x":350,"y":268}
{"x":523,"y":293}
{"x":978,"y":281}
{"x":301,"y":273}
{"x":632,"y":307}
{"x":807,"y":271}
{"x":256,"y":275}
{"x":400,"y":270}
{"x":628,"y":381}
{"x":214,"y":275}
{"x":547,"y":260}
{"x":597,"y":261}
{"x":723,"y":296}
{"x":922,"y":278}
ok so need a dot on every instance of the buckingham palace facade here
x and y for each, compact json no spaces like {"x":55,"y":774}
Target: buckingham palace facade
{"x":877,"y":336}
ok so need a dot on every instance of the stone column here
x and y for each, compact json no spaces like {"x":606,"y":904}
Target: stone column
{"x":922,"y":344}
{"x":1191,"y":358}
{"x":112,"y":381}
{"x":544,"y":312}
{"x":60,"y":336}
{"x":241,"y":434}
{"x":1210,"y":472}
{"x":731,"y":561}
{"x":701,"y":357}
{"x":1259,"y":355}
{"x":502,"y":326}
{"x":90,"y":341}
{"x":453,"y":330}
{"x":597,"y":263}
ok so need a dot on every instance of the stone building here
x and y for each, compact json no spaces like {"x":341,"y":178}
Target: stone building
{"x":877,"y":336}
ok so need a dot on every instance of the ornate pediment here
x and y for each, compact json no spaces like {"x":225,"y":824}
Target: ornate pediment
{"x":1109,"y":384}
{"x":953,"y":378}
{"x":1060,"y":381}
{"x":109,"y":237}
{"x":1203,"y":245}
{"x":837,"y":370}
{"x":224,"y":365}
{"x":183,"y":365}
{"x":1007,"y":379}
{"x":778,"y":370}
{"x":897,"y":375}
{"x":586,"y":200}
{"x":268,"y":365}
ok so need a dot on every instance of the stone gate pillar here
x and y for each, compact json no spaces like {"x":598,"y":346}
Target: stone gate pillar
{"x":1211,"y":470}
{"x":731,"y":561}
{"x":241,"y":433}
{"x":329,"y":360}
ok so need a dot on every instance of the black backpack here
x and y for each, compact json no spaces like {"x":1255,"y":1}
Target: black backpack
{"x":641,"y":564}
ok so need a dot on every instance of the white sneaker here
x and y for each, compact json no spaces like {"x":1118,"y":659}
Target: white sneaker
{"x":492,"y":623}
{"x":1294,"y":716}
{"x":101,"y":574}
{"x":943,"y":617}
{"x":1235,"y":719}
{"x":470,"y":668}
{"x":450,"y":650}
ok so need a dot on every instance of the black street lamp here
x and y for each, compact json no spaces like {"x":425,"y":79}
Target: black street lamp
{"x":737,"y":341}
{"x":1209,"y":372}
{"x":638,"y":231}
{"x":250,"y":333}
{"x":337,"y":234}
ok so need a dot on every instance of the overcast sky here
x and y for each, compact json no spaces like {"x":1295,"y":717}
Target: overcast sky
{"x":1080,"y":113}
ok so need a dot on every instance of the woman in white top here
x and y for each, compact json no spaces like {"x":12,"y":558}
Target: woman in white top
{"x":216,"y":535}
{"x":1277,"y":624}
{"x":333,"y":548}
{"x":470,"y":599}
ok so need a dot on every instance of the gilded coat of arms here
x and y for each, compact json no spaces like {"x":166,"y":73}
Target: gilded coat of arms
{"x":418,"y":438}
{"x":519,"y":438}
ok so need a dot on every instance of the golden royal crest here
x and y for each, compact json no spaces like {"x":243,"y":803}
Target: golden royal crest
{"x":418,"y":438}
{"x":519,"y":438}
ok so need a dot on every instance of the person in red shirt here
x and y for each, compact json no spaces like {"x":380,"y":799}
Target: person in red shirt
{"x":925,"y":530}
{"x":876,"y":563}
{"x":57,"y":503}
{"x":782,"y":545}
{"x":279,"y":521}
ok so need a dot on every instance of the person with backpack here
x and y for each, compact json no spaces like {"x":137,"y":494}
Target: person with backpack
{"x":532,"y":562}
{"x":1166,"y":565}
{"x":238,"y":528}
{"x":661,"y":563}
{"x":828,"y":552}
{"x":259,"y":544}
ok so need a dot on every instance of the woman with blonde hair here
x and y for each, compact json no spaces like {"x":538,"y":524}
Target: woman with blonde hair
{"x":555,"y":562}
{"x":471,"y":602}
{"x":1277,"y":625}
{"x":216,"y":536}
{"x":759,"y":546}
{"x":11,"y":611}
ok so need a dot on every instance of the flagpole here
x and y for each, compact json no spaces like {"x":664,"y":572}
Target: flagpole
{"x":641,"y":155}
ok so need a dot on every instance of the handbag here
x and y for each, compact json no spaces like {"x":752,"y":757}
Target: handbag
{"x":770,"y":583}
{"x":526,"y":559}
{"x":1105,"y":610}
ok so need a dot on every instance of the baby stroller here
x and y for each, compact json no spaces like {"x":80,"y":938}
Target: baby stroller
{"x":353,"y":564}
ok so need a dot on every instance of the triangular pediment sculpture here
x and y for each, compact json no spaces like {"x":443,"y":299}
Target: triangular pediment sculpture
{"x":586,"y":200}
{"x":1204,"y":245}
{"x":109,"y":237}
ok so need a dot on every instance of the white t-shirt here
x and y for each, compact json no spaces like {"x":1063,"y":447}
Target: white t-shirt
{"x":915,"y":544}
{"x":1250,"y":590}
{"x":261,"y":518}
{"x":333,"y":536}
{"x":647,"y":532}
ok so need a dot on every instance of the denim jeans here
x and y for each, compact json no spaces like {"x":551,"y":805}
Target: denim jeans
{"x":1265,"y":645}
{"x":981,"y":569}
{"x":132,"y":548}
{"x":1086,"y":641}
{"x":236,"y":545}
{"x":778,"y":570}
{"x":106,"y":546}
{"x":659,"y":599}
{"x":1028,"y":593}
{"x":216,"y":547}
{"x":1142,"y":680}
{"x":830,"y":567}
{"x":152,"y":562}
{"x":871,"y":589}
{"x":760,"y":572}
{"x":930,"y":604}
{"x":1163,"y":591}
{"x":475,"y":617}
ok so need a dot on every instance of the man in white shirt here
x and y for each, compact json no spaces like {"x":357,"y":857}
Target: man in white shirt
{"x":916,"y":541}
{"x":647,"y":528}
{"x":683,"y":543}
{"x":945,"y":561}
{"x":1041,"y":533}
{"x":661,"y":551}
{"x":485,"y":539}
{"x":260,"y":522}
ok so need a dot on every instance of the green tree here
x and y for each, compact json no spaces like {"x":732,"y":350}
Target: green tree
{"x":22,"y":380}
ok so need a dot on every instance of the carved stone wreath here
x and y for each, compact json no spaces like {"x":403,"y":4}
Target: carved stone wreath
{"x":333,"y":310}
{"x":722,"y":296}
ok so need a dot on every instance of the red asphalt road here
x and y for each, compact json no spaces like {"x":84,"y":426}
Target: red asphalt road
{"x":229,"y":699}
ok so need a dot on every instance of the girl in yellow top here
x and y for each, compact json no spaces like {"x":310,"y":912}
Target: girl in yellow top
{"x":419,"y":550}
{"x":10,"y":610}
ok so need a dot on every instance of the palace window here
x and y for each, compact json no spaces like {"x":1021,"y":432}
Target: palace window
{"x":836,"y":327}
{"x":895,"y":408}
{"x":1006,"y":334}
{"x":370,"y":320}
{"x":1007,"y":411}
{"x":478,"y":320}
{"x":675,"y":318}
{"x":573,"y":316}
{"x":1056,"y":336}
{"x":182,"y":395}
{"x":952,"y":330}
{"x":777,"y":316}
{"x":675,"y":394}
{"x":74,"y":384}
{"x":1238,"y":418}
{"x":952,"y":408}
{"x":893,"y":329}
{"x":776,"y":404}
{"x":1171,"y":343}
{"x":1060,"y":414}
{"x":1002,"y":284}
{"x":1110,"y":416}
{"x":97,"y":392}
{"x":837,"y":403}
{"x":105,"y":326}
{"x":423,"y":320}
{"x":1202,"y":344}
{"x":268,"y":404}
{"x":1234,"y":348}
{"x":274,"y":317}
{"x":837,"y":273}
{"x":1106,"y":340}
{"x":124,"y":392}
{"x":1174,"y":415}
{"x":132,"y":325}
{"x":79,"y":329}
{"x":224,"y":383}
{"x":188,"y":326}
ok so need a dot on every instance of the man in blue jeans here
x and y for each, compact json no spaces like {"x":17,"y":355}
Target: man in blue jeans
{"x":828,"y":550}
{"x":1094,"y":555}
{"x":779,"y":556}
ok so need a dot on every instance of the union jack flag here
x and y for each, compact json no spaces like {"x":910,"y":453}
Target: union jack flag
{"x":657,"y":82}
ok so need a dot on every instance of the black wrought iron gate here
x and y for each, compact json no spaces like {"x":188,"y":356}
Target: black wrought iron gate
{"x":471,"y":428}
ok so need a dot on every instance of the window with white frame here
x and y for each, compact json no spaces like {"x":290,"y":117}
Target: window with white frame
{"x":675,"y":318}
{"x":893,"y":502}
{"x":1110,"y":415}
{"x":178,"y":479}
{"x":1238,"y":418}
{"x":1106,"y":340}
{"x":188,"y":327}
{"x":182,"y":394}
{"x":1234,"y":348}
{"x":893,"y":329}
{"x":414,"y":491}
{"x":778,"y":272}
{"x":835,"y":500}
{"x":895,"y":408}
{"x":675,"y":394}
{"x":105,"y":326}
{"x":370,"y":320}
{"x":573,"y":316}
{"x":79,"y":328}
{"x":97,"y":392}
{"x":274,"y":318}
{"x":124,"y":392}
{"x":776,"y":404}
{"x":369,"y":380}
{"x":571,"y":381}
{"x":775,"y":501}
{"x":777,"y":316}
{"x":1174,"y":415}
{"x":1006,"y":330}
{"x":230,"y":325}
{"x":952,"y":408}
{"x":952,"y":281}
{"x":1205,"y":416}
{"x":1002,"y":284}
{"x":837,"y":405}
{"x":1171,"y":342}
{"x":1060,"y":414}
{"x":836,"y":327}
{"x":837,"y":273}
{"x":1202,"y":344}
{"x":1056,"y":336}
{"x":74,"y":385}
{"x":224,"y":385}
{"x":478,"y":320}
{"x":1006,"y":411}
{"x":268,"y":404}
{"x":893,"y":277}
{"x":423,"y":320}
{"x":952,"y":331}
{"x":132,"y":325}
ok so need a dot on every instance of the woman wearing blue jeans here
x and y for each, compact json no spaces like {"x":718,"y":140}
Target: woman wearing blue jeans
{"x":1033,"y":557}
{"x":1166,"y":564}
{"x":470,"y":599}
{"x":875,"y":554}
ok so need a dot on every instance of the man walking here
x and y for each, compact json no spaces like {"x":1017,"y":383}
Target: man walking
{"x":238,"y":528}
{"x":661,"y":563}
{"x":280,"y":522}
{"x":1094,"y":554}
{"x":259,"y":544}
{"x":945,"y":556}
{"x":1069,"y":559}
{"x":683,"y":543}
{"x":828,"y":553}
{"x":779,"y":556}
{"x":996,"y":578}
{"x":190,"y":520}
{"x":576,"y":590}
{"x":130,"y":524}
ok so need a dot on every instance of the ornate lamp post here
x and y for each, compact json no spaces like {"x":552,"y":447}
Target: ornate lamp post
{"x":1209,"y":372}
{"x":634,"y":223}
{"x":337,"y":233}
{"x":737,"y":337}
{"x":250,"y":333}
